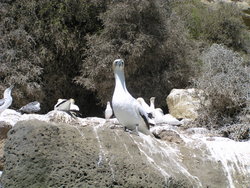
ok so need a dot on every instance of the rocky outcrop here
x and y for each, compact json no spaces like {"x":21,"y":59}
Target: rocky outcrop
{"x":4,"y":128}
{"x":93,"y":152}
{"x":40,"y":154}
{"x":185,"y":103}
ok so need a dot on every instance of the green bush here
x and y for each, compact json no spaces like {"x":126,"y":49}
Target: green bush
{"x":226,"y":82}
{"x":153,"y":42}
{"x":42,"y":46}
{"x":221,"y":24}
{"x":20,"y":63}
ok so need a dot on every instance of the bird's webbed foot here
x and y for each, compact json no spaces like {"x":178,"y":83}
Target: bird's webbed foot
{"x":135,"y":131}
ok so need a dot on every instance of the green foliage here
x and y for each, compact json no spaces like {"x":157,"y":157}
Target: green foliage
{"x":221,"y":24}
{"x":19,"y":59}
{"x":43,"y":45}
{"x":226,"y":82}
{"x":48,"y":47}
{"x":152,"y":41}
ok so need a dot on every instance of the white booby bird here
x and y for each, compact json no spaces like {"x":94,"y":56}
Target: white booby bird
{"x":171,"y":120}
{"x":31,"y":107}
{"x":73,"y":106}
{"x":159,"y":116}
{"x":64,"y":104}
{"x":157,"y":112}
{"x":108,"y":111}
{"x":67,"y":106}
{"x":126,"y":108}
{"x":7,"y":99}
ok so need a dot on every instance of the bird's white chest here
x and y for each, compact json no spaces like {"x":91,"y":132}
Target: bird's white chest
{"x":125,"y":110}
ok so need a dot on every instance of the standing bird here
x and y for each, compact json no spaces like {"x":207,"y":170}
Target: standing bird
{"x":108,"y":111}
{"x":31,"y":107}
{"x":126,"y":108}
{"x":7,"y":99}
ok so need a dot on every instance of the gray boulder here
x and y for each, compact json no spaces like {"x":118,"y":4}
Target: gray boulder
{"x":93,"y":152}
{"x":40,"y":154}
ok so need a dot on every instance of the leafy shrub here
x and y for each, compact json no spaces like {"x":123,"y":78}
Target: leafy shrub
{"x":225,"y":82}
{"x":42,"y":46}
{"x":153,"y":42}
{"x":20,"y":63}
{"x":221,"y":24}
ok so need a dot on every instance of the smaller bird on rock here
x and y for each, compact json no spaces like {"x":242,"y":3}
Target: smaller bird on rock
{"x":31,"y":107}
{"x":68,"y":106}
{"x":108,"y":111}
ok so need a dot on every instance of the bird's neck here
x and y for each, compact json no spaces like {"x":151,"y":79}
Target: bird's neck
{"x":120,"y":84}
{"x":152,"y":105}
{"x":7,"y":95}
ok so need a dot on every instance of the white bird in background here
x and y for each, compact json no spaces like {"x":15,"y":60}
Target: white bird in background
{"x":126,"y":108}
{"x":108,"y":111}
{"x":67,"y":106}
{"x":157,"y":112}
{"x":171,"y":120}
{"x":159,"y":116}
{"x":72,"y":106}
{"x":7,"y":99}
{"x":63,"y":104}
{"x":144,"y":104}
{"x":31,"y":107}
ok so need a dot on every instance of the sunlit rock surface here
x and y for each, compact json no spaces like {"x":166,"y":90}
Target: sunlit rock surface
{"x":4,"y":128}
{"x":185,"y":103}
{"x":62,"y":151}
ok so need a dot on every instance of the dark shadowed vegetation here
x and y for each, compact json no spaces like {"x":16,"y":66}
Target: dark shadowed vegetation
{"x":154,"y":44}
{"x":42,"y":47}
{"x":64,"y":49}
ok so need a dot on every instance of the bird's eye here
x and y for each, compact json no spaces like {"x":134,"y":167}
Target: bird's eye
{"x":150,"y":115}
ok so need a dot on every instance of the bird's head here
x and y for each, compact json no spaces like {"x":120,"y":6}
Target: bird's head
{"x":152,"y":99}
{"x":118,"y":64}
{"x":72,"y":101}
{"x":7,"y":91}
{"x":140,"y":100}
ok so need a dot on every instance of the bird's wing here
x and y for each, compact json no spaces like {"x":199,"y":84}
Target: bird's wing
{"x":147,"y":117}
{"x":60,"y":102}
{"x":74,"y":107}
{"x":2,"y":101}
{"x":64,"y":105}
